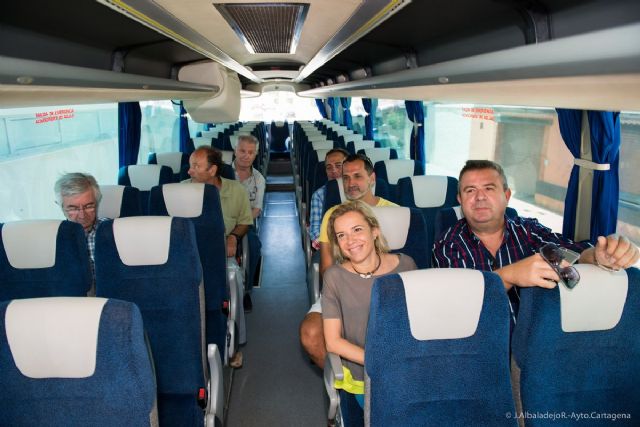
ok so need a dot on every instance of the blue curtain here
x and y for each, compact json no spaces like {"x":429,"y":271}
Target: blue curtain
{"x":605,"y":148}
{"x":186,"y":144}
{"x":415,"y":112}
{"x":334,"y":104}
{"x":346,"y":116}
{"x":321,"y":108}
{"x":370,"y":106}
{"x":129,"y":119}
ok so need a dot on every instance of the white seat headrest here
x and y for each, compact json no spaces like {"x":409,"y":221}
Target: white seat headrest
{"x":184,"y":200}
{"x":142,"y":240}
{"x":458,"y":211}
{"x":596,"y":302}
{"x":443,"y":303}
{"x":173,"y":160}
{"x":429,"y":191}
{"x":202,"y":142}
{"x":143,"y":177}
{"x":227,"y":156}
{"x":360,"y":145}
{"x":394,"y":224}
{"x":322,"y":153}
{"x":398,"y":168}
{"x":54,"y":337}
{"x":233,"y":139}
{"x":377,"y":154}
{"x":317,"y":145}
{"x":31,"y":243}
{"x":111,"y":201}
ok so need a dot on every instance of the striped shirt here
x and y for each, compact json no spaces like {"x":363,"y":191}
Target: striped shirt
{"x":459,"y":247}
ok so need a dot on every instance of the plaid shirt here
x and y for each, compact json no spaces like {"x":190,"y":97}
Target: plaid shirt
{"x":91,"y":245}
{"x":523,"y":237}
{"x":315,"y":214}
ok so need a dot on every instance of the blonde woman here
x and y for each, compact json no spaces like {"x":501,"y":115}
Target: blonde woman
{"x":362,"y":255}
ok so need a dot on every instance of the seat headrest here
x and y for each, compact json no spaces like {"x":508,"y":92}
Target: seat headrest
{"x":54,"y":337}
{"x":233,"y":140}
{"x":227,"y":156}
{"x":322,"y":153}
{"x":429,"y":191}
{"x":202,"y":141}
{"x":173,"y":160}
{"x":322,"y":145}
{"x":596,"y":303}
{"x":142,"y":240}
{"x":399,"y":168}
{"x":394,"y":224}
{"x":360,"y":145}
{"x":143,"y":177}
{"x":31,"y":243}
{"x":458,"y":211}
{"x":443,"y":303}
{"x":377,"y":154}
{"x":111,"y":202}
{"x":184,"y":200}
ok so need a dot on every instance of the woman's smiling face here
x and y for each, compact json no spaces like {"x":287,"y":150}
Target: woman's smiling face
{"x":354,"y":236}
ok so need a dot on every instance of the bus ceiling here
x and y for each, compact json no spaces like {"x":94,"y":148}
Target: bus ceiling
{"x":564,"y":53}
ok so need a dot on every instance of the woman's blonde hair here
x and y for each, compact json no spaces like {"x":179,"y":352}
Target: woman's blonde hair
{"x":380,"y":243}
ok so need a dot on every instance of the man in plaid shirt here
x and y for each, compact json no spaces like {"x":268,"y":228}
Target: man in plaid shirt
{"x":333,"y":166}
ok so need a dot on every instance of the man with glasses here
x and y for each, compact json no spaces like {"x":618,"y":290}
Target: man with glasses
{"x":485,"y":239}
{"x":78,"y":194}
{"x":333,"y":166}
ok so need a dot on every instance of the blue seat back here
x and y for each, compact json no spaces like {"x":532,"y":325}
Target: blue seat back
{"x":176,"y":160}
{"x":578,"y":351}
{"x":279,"y":133}
{"x":354,"y":147}
{"x":437,"y":350}
{"x":447,"y":217}
{"x":119,"y":201}
{"x":75,"y":362}
{"x":201,"y":204}
{"x":154,"y":263}
{"x":144,"y":177}
{"x":43,"y":258}
{"x":405,"y":231}
{"x":392,"y":170}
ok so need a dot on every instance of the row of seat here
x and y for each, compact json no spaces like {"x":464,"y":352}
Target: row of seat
{"x":153,"y":262}
{"x":573,"y":356}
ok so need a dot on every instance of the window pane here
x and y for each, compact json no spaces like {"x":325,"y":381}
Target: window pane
{"x":159,"y":128}
{"x":39,"y":144}
{"x":278,"y":106}
{"x":392,"y":126}
{"x":629,"y":205}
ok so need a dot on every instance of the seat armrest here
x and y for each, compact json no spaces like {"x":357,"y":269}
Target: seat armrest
{"x":215,"y":404}
{"x":332,"y":372}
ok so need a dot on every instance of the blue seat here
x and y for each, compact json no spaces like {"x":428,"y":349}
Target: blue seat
{"x":279,"y":132}
{"x":578,"y":351}
{"x":75,"y":362}
{"x":176,"y":160}
{"x":354,"y":147}
{"x":429,"y":193}
{"x":144,"y":177}
{"x":201,"y":204}
{"x":392,"y":170}
{"x":43,"y":258}
{"x":119,"y":201}
{"x":153,"y":262}
{"x":437,"y":350}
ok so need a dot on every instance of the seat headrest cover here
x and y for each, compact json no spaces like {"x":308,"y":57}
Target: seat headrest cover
{"x":360,"y":145}
{"x":202,"y":142}
{"x":111,"y":202}
{"x":397,"y":169}
{"x":596,"y":303}
{"x":343,"y":198}
{"x":233,"y":139}
{"x":429,"y":191}
{"x":31,"y":244}
{"x":142,"y":240}
{"x":227,"y":156}
{"x":318,"y":145}
{"x":143,"y":177}
{"x":443,"y":303}
{"x":184,"y":200}
{"x":394,"y":224}
{"x":458,"y":212}
{"x":322,"y":153}
{"x":378,"y":154}
{"x":54,"y":337}
{"x":173,"y":160}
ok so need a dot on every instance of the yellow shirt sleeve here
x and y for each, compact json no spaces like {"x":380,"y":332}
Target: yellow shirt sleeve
{"x":324,"y":237}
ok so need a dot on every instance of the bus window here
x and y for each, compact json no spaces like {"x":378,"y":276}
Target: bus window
{"x":629,"y":203}
{"x":392,"y":128}
{"x":279,"y":106}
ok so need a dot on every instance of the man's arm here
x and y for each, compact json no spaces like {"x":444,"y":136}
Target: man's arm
{"x":234,"y":238}
{"x":315,"y":216}
{"x":612,"y":252}
{"x":326,"y":257}
{"x":531,"y":271}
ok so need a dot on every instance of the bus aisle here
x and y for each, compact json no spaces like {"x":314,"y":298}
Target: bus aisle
{"x":277,"y":384}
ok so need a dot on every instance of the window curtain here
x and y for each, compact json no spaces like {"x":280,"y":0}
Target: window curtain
{"x":321,"y":107}
{"x":186,"y":143}
{"x":604,"y":128}
{"x":129,"y":119}
{"x":347,"y":120}
{"x":370,"y":106}
{"x":334,"y":103}
{"x":415,"y":112}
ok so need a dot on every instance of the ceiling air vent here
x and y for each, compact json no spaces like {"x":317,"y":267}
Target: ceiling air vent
{"x":266,"y":27}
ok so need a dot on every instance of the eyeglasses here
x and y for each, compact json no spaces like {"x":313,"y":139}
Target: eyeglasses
{"x":554,"y":255}
{"x":74,"y":210}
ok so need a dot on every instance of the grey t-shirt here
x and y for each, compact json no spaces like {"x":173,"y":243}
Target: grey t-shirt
{"x":346,"y":296}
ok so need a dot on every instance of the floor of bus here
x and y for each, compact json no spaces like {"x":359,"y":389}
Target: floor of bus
{"x":277,"y":384}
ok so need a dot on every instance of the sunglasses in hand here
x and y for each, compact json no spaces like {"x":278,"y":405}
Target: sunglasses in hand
{"x":554,"y":255}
